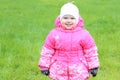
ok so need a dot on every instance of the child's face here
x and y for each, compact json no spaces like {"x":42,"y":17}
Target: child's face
{"x":68,"y":21}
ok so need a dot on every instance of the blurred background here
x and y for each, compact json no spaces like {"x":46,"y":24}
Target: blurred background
{"x":24,"y":25}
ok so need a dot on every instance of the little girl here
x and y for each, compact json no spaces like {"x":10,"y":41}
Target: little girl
{"x":69,"y":52}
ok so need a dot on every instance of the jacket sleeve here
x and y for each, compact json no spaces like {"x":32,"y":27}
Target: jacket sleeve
{"x":90,"y":52}
{"x":47,"y":52}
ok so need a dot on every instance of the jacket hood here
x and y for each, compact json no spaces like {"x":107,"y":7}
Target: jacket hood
{"x":79,"y":25}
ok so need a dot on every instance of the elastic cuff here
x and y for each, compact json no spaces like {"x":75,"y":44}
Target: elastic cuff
{"x":43,"y":68}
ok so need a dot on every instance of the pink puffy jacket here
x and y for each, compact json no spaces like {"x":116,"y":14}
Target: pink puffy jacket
{"x":69,"y":54}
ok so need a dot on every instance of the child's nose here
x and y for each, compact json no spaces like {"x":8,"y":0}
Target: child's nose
{"x":69,"y":20}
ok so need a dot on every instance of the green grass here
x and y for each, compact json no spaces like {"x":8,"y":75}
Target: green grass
{"x":24,"y":25}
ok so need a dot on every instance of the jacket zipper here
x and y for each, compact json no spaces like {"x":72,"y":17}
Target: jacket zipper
{"x":69,"y":56}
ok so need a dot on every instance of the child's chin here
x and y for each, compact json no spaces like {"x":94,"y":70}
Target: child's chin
{"x":68,"y":28}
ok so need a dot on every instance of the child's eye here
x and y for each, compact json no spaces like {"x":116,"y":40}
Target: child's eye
{"x":72,"y":18}
{"x":65,"y":17}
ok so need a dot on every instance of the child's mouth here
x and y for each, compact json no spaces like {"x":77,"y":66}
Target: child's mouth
{"x":68,"y":25}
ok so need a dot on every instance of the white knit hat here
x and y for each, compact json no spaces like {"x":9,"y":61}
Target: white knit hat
{"x":70,"y":9}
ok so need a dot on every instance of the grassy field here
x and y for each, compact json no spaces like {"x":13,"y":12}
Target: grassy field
{"x":24,"y":25}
